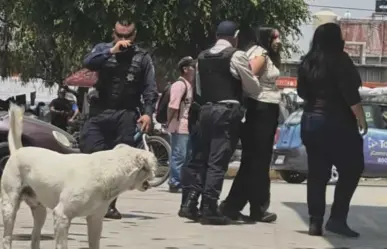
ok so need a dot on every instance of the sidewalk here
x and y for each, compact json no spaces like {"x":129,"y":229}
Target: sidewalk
{"x":150,"y":222}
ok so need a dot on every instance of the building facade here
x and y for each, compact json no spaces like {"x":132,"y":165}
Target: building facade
{"x":365,"y":42}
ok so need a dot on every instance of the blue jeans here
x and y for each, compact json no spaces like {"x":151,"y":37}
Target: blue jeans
{"x":329,"y":141}
{"x":180,"y":153}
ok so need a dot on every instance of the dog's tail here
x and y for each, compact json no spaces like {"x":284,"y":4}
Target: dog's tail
{"x":15,"y":127}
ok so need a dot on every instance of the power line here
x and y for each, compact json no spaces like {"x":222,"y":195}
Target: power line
{"x":340,"y":7}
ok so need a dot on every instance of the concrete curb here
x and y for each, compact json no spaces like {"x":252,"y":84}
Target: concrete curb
{"x":234,"y":167}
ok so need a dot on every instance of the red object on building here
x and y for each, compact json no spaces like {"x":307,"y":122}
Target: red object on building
{"x":286,"y":82}
{"x":291,"y":82}
{"x":372,"y":32}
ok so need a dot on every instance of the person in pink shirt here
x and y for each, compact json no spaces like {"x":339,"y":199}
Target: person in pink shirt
{"x":178,"y":107}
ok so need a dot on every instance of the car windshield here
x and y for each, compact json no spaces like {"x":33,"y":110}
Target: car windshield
{"x":294,"y":118}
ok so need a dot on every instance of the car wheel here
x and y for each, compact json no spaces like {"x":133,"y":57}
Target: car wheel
{"x":292,"y":176}
{"x":334,"y":175}
{"x":3,"y":161}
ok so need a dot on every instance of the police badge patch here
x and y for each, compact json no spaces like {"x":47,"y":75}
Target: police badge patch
{"x":130,"y":77}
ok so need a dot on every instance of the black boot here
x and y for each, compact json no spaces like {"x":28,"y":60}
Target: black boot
{"x":211,"y":214}
{"x":184,"y":196}
{"x":340,"y":227}
{"x":189,"y":208}
{"x":315,"y":226}
{"x":233,"y":214}
{"x":174,"y":189}
{"x":112,"y":212}
{"x":265,"y":217}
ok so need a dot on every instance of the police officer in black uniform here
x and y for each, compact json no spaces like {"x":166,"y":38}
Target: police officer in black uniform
{"x":222,"y":70}
{"x":125,"y":74}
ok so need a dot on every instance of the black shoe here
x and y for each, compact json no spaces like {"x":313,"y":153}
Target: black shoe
{"x":233,"y":214}
{"x":189,"y":208}
{"x":189,"y":213}
{"x":174,"y":189}
{"x":265,"y":217}
{"x":113,"y":213}
{"x":341,"y":228}
{"x":211,"y":215}
{"x":315,"y":226}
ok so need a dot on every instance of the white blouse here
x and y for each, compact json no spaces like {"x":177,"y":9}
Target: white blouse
{"x":267,"y":76}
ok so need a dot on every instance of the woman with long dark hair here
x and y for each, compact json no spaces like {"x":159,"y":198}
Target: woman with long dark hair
{"x":252,"y":182}
{"x":328,"y":81}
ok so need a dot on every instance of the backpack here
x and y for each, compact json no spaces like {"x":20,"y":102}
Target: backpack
{"x":162,"y":107}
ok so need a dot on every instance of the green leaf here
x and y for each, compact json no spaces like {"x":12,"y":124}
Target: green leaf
{"x":50,"y":38}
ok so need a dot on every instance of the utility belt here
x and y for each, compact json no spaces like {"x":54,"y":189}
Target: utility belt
{"x":230,"y":104}
{"x":227,"y":103}
{"x":194,"y":111}
{"x":97,"y":109}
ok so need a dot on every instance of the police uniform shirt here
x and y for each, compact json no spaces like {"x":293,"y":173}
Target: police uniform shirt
{"x":239,"y":68}
{"x":101,"y":53}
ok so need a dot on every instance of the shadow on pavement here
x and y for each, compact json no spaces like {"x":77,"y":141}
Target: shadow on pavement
{"x":369,"y":183}
{"x":138,"y":216}
{"x":370,"y":222}
{"x":27,"y":237}
{"x":142,"y":212}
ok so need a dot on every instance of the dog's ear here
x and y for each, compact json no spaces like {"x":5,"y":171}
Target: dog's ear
{"x":140,"y":160}
{"x":133,"y":178}
{"x":140,"y":174}
{"x":147,"y":162}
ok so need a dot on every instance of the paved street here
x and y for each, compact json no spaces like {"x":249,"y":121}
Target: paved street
{"x":150,"y":222}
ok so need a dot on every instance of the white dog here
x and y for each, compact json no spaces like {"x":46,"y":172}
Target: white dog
{"x":72,"y":185}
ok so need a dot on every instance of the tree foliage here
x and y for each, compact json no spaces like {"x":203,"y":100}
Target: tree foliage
{"x":50,"y":37}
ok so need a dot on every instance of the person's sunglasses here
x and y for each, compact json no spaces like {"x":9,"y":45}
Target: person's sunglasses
{"x":124,"y":36}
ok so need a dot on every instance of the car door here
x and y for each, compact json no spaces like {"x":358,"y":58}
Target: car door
{"x":290,"y":132}
{"x":375,"y":142}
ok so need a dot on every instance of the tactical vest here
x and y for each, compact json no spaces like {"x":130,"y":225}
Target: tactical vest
{"x":120,"y":83}
{"x":216,"y":81}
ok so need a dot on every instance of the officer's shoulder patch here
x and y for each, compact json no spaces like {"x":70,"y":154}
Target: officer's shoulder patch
{"x":141,"y":50}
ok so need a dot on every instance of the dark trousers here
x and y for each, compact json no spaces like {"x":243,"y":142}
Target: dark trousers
{"x":213,"y":143}
{"x":331,"y":142}
{"x":252,"y":182}
{"x":60,"y":125}
{"x":188,"y":174}
{"x":107,"y":129}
